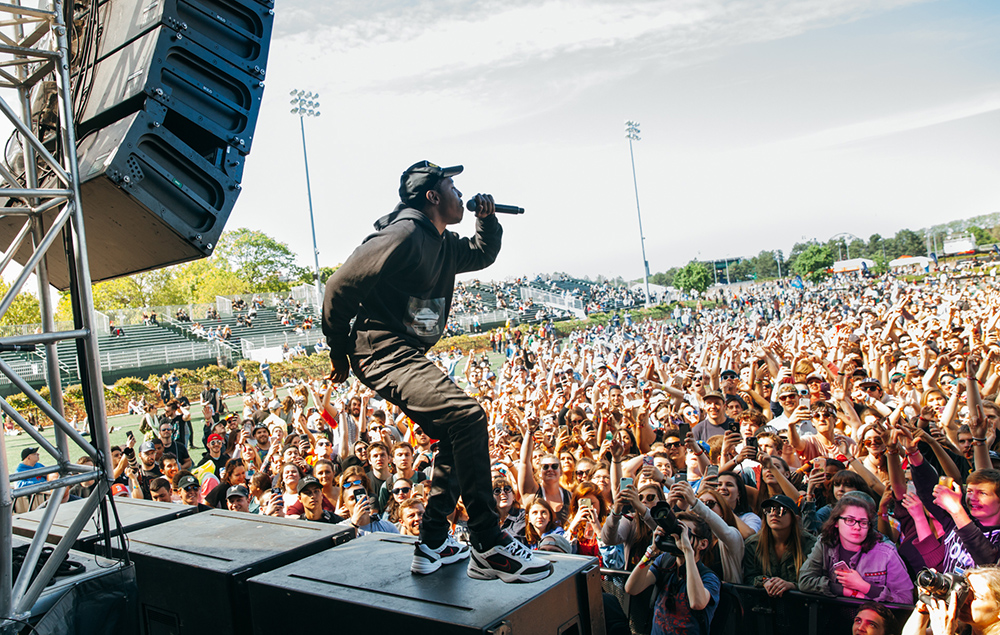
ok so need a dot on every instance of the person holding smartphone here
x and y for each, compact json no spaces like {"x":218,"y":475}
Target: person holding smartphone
{"x":358,"y":506}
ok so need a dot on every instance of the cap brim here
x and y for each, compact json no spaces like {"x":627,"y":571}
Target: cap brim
{"x":452,"y":171}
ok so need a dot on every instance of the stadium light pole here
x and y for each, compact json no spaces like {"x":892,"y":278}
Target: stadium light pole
{"x":632,"y":133}
{"x":306,"y":104}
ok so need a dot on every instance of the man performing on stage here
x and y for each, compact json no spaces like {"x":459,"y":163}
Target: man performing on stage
{"x":399,"y":283}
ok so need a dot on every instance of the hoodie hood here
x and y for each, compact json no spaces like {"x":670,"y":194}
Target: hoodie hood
{"x":402,"y":212}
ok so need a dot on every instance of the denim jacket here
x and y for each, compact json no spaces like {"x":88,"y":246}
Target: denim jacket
{"x":881,"y":566}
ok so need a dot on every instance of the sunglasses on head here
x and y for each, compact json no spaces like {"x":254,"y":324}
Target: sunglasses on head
{"x":350,"y":484}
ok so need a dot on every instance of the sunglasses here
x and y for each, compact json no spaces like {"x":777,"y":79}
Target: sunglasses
{"x":870,"y":388}
{"x":582,"y":473}
{"x":873,"y":442}
{"x":648,"y":498}
{"x":506,"y":489}
{"x":192,"y":488}
{"x":550,"y":466}
{"x":710,"y":503}
{"x":401,"y":490}
{"x":823,"y":414}
{"x":351,"y":484}
{"x":777,"y":510}
{"x":787,"y":397}
{"x":577,"y":420}
{"x":672,"y":444}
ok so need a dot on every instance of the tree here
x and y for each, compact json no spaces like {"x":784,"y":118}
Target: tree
{"x":813,"y":262}
{"x":693,"y":275}
{"x":25,"y":308}
{"x":256,"y":258}
{"x":909,"y":243}
{"x":980,"y":235}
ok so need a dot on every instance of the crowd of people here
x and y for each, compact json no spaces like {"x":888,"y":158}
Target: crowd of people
{"x":834,"y":440}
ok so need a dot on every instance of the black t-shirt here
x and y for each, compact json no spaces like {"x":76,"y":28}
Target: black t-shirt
{"x":220,"y":463}
{"x":178,"y":450}
{"x":326,"y":517}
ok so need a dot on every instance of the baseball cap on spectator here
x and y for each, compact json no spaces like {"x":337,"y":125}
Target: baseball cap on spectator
{"x":859,"y":372}
{"x":216,"y":437}
{"x":147,"y":446}
{"x":787,"y":389}
{"x":870,"y":381}
{"x":599,"y":362}
{"x":555,"y":543}
{"x":704,"y":446}
{"x":237,"y":490}
{"x":729,"y":372}
{"x":26,"y":452}
{"x":119,"y":490}
{"x":422,"y":177}
{"x":187,"y":481}
{"x":818,"y":376}
{"x":657,"y":397}
{"x":274,"y":404}
{"x":307,"y":482}
{"x":780,"y":500}
{"x":714,"y":394}
{"x":260,"y":425}
{"x":738,"y":399}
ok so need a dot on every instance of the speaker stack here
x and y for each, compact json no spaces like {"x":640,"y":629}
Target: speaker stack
{"x":165,"y":118}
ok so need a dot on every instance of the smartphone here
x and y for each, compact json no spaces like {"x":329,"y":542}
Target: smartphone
{"x":840,"y":565}
{"x":360,"y":496}
{"x":586,"y":502}
{"x":625,"y":482}
{"x":647,"y":460}
{"x":803,"y":402}
{"x":752,"y":442}
{"x":129,"y":434}
{"x":609,"y":436}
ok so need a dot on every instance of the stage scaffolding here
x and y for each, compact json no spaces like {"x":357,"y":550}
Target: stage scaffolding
{"x":41,"y":192}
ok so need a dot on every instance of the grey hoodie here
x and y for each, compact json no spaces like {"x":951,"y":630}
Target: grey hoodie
{"x":399,"y":282}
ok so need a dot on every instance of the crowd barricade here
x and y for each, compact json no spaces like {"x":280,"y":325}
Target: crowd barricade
{"x":750,"y":610}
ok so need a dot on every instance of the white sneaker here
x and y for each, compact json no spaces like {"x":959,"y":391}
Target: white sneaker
{"x":510,"y":561}
{"x":427,"y":560}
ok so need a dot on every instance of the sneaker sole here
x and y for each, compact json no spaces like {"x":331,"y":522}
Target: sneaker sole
{"x":477,"y":572}
{"x":425,"y":566}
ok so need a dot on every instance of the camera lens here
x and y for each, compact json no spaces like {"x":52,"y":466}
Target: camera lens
{"x":933,"y":582}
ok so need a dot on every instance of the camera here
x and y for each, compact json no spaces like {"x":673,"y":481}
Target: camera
{"x":130,"y":456}
{"x":931,"y":584}
{"x":665,"y":518}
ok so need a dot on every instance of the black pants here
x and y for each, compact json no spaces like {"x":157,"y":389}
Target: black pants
{"x":404,"y":376}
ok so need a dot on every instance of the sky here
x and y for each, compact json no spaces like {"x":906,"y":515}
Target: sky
{"x":763,"y":122}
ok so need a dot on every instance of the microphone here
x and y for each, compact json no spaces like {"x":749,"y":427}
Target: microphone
{"x":500,"y":209}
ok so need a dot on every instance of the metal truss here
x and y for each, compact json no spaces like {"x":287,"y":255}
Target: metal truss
{"x":41,"y":190}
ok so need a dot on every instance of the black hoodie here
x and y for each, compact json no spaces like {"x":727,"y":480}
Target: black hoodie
{"x":399,"y":282}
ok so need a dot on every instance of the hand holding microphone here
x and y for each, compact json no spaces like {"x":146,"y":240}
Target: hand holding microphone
{"x":480,"y":201}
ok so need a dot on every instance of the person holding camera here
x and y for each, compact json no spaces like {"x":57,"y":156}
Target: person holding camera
{"x":688,"y":590}
{"x":976,"y":603}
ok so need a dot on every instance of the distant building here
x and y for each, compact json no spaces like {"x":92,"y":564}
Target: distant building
{"x":958,"y":244}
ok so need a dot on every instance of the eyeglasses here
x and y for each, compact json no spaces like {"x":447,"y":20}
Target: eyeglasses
{"x":855,"y":522}
{"x":777,"y":510}
{"x":506,"y":489}
{"x":351,"y":484}
{"x":550,"y":466}
{"x":649,"y":498}
{"x":401,"y":490}
{"x":710,"y":503}
{"x":672,"y":445}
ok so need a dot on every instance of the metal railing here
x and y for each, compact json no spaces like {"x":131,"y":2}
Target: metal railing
{"x":13,"y":330}
{"x":224,"y":306}
{"x":272,"y":340}
{"x":490,"y":317}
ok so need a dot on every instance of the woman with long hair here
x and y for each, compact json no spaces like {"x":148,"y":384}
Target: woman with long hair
{"x":724,"y":555}
{"x":734,"y":490}
{"x":234,"y":474}
{"x":633,"y":529}
{"x":290,"y":476}
{"x":401,"y":490}
{"x":325,"y":472}
{"x":588,"y":511}
{"x":851,"y":559}
{"x":773,"y":556}
{"x":512,"y":516}
{"x":541,"y":522}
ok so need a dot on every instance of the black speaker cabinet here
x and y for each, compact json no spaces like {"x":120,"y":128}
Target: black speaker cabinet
{"x":238,"y":31}
{"x":192,"y":573}
{"x":366,"y":584}
{"x":209,"y":92}
{"x":148,"y":200}
{"x":134,"y":514}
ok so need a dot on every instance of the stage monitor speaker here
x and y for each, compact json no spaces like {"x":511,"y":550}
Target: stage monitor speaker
{"x":238,"y":31}
{"x":192,"y":572}
{"x":211,"y":94}
{"x":134,"y":514}
{"x":148,"y":200}
{"x":366,"y":583}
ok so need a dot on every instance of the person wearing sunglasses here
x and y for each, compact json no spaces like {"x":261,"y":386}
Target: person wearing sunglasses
{"x":773,"y":556}
{"x":549,"y":475}
{"x":188,"y":490}
{"x":851,"y":558}
{"x":512,"y":515}
{"x":358,"y":506}
{"x":401,"y":490}
{"x":629,"y":522}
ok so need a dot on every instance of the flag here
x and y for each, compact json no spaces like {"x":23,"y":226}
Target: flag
{"x":934,"y":257}
{"x":797,"y":282}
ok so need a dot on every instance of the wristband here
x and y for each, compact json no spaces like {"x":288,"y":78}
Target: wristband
{"x":983,"y":439}
{"x":913,"y":451}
